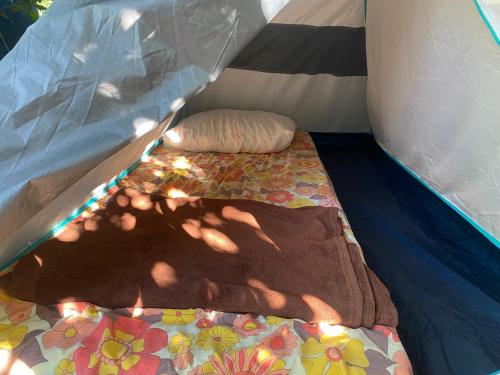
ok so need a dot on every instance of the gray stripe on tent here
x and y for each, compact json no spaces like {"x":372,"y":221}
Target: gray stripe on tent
{"x":294,"y":49}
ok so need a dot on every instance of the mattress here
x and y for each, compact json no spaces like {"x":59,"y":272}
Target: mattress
{"x":292,"y":178}
{"x":83,"y":338}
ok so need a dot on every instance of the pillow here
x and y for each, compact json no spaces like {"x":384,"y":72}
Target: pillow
{"x":232,"y":131}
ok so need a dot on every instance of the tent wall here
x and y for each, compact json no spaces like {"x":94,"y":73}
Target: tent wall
{"x":91,"y":77}
{"x":90,"y":185}
{"x":309,"y":64}
{"x":433,"y":99}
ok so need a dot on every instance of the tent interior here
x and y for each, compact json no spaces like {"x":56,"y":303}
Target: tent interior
{"x":395,"y":103}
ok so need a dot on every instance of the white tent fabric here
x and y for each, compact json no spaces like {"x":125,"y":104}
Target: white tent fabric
{"x":317,"y":102}
{"x":90,"y":78}
{"x":433,"y":96}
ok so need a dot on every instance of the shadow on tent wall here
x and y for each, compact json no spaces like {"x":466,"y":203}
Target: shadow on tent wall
{"x":443,"y":275}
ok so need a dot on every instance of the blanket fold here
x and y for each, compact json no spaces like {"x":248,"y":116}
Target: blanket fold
{"x":228,"y":255}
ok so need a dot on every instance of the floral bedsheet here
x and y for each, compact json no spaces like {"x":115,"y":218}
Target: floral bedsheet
{"x":291,"y":178}
{"x":80,"y":338}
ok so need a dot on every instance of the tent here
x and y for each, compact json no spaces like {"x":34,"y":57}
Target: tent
{"x":92,"y":85}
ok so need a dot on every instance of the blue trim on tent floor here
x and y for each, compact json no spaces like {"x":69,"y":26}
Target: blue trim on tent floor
{"x":443,"y":275}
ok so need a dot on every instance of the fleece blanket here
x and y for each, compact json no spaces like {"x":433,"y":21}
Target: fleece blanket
{"x":148,"y":251}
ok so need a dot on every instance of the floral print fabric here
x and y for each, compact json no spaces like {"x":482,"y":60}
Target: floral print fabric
{"x":292,"y":178}
{"x":80,"y":338}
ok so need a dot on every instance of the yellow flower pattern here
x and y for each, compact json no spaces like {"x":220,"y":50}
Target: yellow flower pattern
{"x":300,"y":202}
{"x":178,"y":317}
{"x":11,"y":335}
{"x":179,"y":342}
{"x":91,"y":312}
{"x":275,"y":320}
{"x":65,"y":367}
{"x":248,"y":361}
{"x":334,"y":355}
{"x":217,"y":338}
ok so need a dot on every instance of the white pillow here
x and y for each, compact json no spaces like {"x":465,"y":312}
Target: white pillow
{"x":232,"y":131}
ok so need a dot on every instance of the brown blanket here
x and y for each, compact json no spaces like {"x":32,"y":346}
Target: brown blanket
{"x":227,"y":255}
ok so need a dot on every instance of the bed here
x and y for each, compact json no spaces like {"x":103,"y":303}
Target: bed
{"x":83,"y":338}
